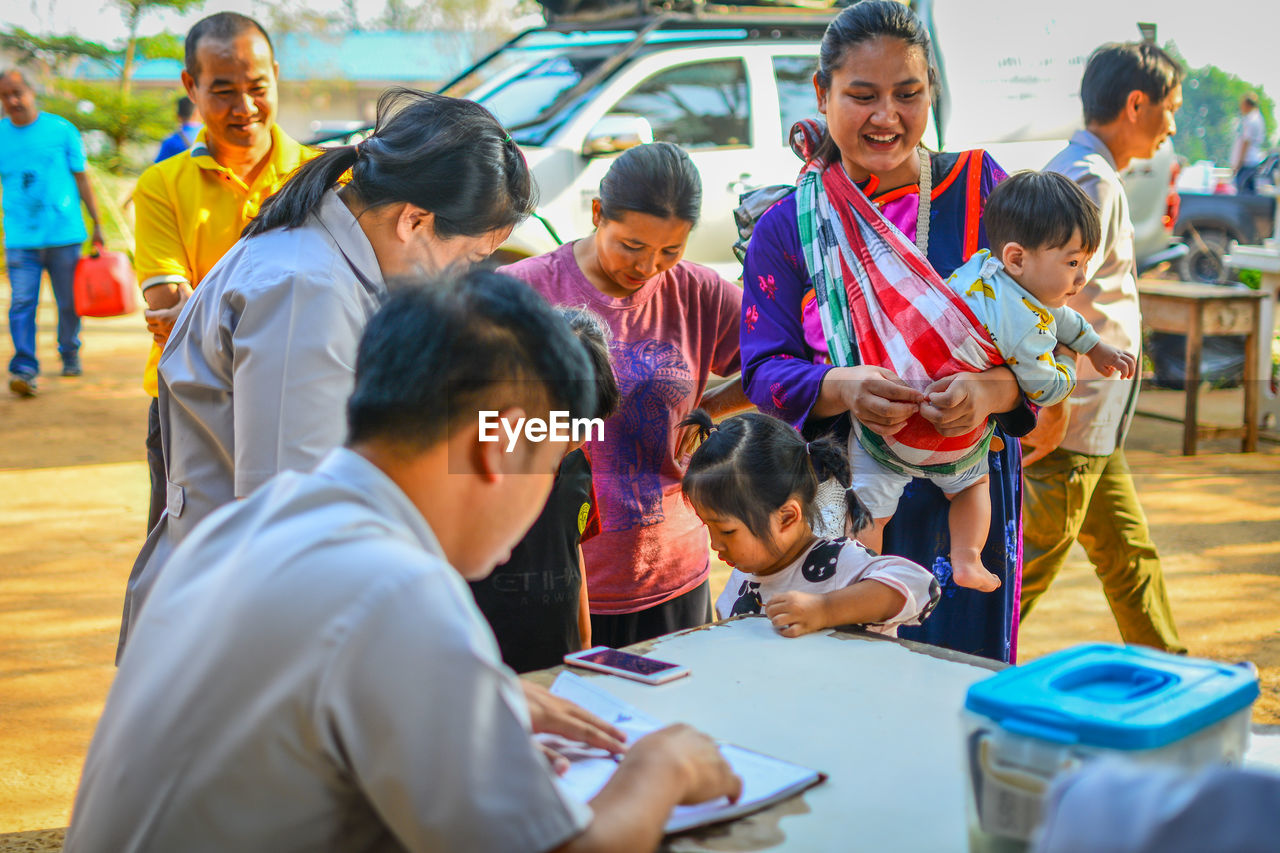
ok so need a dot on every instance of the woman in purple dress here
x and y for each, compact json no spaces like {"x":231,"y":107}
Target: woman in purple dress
{"x":874,"y":84}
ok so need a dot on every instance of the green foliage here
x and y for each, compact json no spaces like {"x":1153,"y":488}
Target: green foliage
{"x":294,"y":16}
{"x":126,"y":119}
{"x":1250,"y":278}
{"x":142,"y":7}
{"x":466,"y":15}
{"x":1210,"y":110}
{"x":164,"y":45}
{"x":50,"y":53}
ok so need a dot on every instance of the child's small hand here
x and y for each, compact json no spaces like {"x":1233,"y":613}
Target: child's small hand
{"x":796,"y":613}
{"x":1107,"y":359}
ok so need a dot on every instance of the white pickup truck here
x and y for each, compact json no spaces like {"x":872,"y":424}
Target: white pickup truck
{"x":727,"y":83}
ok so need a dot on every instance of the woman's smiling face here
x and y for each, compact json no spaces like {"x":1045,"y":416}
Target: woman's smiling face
{"x":877,"y":108}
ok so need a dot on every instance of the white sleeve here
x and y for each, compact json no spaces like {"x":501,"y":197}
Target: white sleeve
{"x":915,"y":582}
{"x":1256,"y":130}
{"x":293,"y":369}
{"x":434,"y":731}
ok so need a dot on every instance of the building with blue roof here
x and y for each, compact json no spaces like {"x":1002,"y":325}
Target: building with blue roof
{"x":332,"y":81}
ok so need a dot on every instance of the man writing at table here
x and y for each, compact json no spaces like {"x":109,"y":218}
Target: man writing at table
{"x":310,"y":671}
{"x":192,"y":207}
{"x":1078,"y":484}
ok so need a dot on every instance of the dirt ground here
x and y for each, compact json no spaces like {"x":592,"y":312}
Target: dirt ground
{"x":73,"y":493}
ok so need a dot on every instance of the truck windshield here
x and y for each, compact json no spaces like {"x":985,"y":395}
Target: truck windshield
{"x":522,"y":82}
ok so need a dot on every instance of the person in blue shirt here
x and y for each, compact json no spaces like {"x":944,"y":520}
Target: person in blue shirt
{"x":42,"y":173}
{"x":182,"y":138}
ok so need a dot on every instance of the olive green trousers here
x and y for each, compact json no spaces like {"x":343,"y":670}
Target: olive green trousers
{"x":1072,"y":496}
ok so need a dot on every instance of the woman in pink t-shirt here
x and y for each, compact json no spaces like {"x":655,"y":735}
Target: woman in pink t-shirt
{"x":674,"y":324}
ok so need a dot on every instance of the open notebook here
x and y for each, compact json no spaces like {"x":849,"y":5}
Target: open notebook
{"x":765,"y":780}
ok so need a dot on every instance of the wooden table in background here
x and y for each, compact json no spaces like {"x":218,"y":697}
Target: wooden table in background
{"x":1196,"y":310}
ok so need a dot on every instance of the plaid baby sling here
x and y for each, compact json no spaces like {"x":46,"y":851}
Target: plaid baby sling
{"x":875,"y":287}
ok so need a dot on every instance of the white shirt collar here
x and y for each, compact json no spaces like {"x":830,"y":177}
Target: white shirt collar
{"x":336,"y":218}
{"x":1090,"y":140}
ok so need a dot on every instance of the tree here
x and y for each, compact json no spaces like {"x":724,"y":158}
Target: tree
{"x":124,"y":119}
{"x":458,"y":15}
{"x":1210,"y":111}
{"x":133,"y":12}
{"x":115,"y":110}
{"x":284,"y":17}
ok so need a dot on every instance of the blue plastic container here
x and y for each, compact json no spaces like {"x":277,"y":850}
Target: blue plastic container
{"x":1026,"y":724}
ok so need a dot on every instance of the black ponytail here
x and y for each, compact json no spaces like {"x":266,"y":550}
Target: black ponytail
{"x":830,"y":461}
{"x":302,"y":193}
{"x":750,"y":465}
{"x":700,"y":419}
{"x":445,"y":155}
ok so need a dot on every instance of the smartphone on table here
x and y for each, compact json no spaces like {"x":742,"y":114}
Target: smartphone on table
{"x":627,"y":665}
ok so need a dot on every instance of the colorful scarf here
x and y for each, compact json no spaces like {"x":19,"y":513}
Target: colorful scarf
{"x":874,"y":287}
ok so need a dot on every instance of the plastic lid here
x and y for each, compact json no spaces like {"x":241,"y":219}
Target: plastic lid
{"x":1118,"y":697}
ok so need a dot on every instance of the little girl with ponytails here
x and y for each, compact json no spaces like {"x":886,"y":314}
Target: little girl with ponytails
{"x":753,"y":481}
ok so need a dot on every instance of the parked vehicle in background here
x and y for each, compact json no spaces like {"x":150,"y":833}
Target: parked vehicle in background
{"x":727,"y":83}
{"x":1209,"y":222}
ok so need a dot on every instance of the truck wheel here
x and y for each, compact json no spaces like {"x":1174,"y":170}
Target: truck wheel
{"x":1204,"y":260}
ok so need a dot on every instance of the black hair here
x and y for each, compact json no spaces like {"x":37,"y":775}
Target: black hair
{"x":445,"y":155}
{"x":222,"y":26}
{"x":594,"y":335}
{"x":440,"y":352}
{"x":750,"y":465}
{"x":860,"y":23}
{"x":658,"y":179}
{"x":1114,"y":70}
{"x":1040,"y":210}
{"x":186,"y":108}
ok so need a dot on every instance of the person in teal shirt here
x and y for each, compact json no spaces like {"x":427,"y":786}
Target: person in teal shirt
{"x":42,"y":172}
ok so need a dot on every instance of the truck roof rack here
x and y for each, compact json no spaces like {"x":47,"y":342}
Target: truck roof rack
{"x":575,"y":14}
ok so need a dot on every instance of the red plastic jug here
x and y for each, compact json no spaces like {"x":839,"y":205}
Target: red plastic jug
{"x":105,"y":285}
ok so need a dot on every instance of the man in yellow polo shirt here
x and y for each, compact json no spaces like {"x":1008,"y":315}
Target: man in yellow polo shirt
{"x":191,"y":208}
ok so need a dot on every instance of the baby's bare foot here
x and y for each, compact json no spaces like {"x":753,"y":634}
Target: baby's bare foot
{"x":973,"y":575}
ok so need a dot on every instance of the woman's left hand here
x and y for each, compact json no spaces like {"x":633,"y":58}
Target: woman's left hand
{"x":962,"y":402}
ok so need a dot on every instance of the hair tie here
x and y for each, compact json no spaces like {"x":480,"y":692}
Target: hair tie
{"x":506,"y":140}
{"x":806,"y":449}
{"x":359,"y":146}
